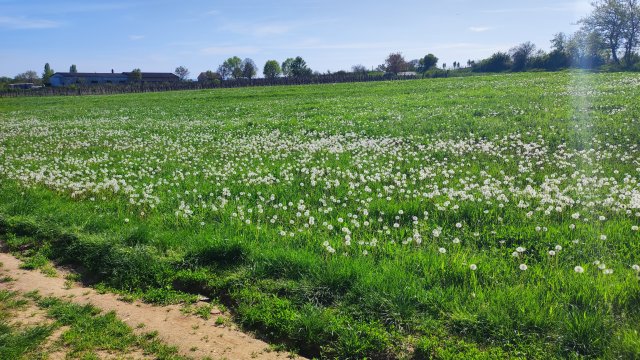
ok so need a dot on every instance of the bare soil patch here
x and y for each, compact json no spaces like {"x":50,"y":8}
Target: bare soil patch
{"x":194,"y":336}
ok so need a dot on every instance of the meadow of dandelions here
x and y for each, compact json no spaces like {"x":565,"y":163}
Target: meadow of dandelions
{"x":360,"y":194}
{"x":545,"y":182}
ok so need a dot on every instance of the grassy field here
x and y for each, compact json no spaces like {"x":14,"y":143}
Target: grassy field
{"x":482,"y":217}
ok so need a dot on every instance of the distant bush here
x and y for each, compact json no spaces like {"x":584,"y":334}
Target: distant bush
{"x":436,"y":73}
{"x":497,"y":62}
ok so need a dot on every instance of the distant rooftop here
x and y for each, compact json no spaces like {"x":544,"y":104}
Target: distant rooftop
{"x":68,"y":74}
{"x":144,"y":75}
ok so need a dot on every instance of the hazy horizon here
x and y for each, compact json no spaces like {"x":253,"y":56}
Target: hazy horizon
{"x":161,"y":35}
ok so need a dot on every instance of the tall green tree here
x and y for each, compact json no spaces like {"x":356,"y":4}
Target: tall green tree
{"x":631,"y":32}
{"x":608,"y":19}
{"x":209,"y":76}
{"x":182,"y":72}
{"x":587,"y":49}
{"x":28,"y":76}
{"x":136,"y":74}
{"x":299,"y":68}
{"x":231,"y":68}
{"x":249,"y":69}
{"x":286,"y":67}
{"x":395,"y":63}
{"x":358,"y":69}
{"x":73,"y":69}
{"x":46,"y":75}
{"x":271,"y":69}
{"x":520,"y":56}
{"x":559,"y":42}
{"x":428,"y":62}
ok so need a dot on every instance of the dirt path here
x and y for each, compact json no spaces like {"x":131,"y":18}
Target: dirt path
{"x":194,"y":337}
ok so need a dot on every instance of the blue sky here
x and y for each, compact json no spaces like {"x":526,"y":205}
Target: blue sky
{"x":160,"y":35}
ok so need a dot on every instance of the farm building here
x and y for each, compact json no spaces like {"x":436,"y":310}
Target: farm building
{"x":157,"y":77}
{"x":66,"y":79}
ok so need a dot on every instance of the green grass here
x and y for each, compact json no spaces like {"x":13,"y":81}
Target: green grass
{"x":342,"y":221}
{"x":15,"y":342}
{"x":87,"y":333}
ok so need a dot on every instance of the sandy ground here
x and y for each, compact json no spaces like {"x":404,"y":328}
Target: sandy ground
{"x":194,"y":336}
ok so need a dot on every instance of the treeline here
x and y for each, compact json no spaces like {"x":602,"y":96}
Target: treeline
{"x":607,"y":40}
{"x":193,"y":85}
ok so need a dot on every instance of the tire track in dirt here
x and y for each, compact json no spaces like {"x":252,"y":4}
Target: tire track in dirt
{"x":193,"y":336}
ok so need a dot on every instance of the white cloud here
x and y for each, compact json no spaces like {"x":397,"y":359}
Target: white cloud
{"x":26,"y":23}
{"x":136,"y":37}
{"x":320,"y":44}
{"x":479,"y":28}
{"x":578,"y":6}
{"x":230,"y":50}
{"x":271,"y":29}
{"x":259,"y":29}
{"x":466,"y":46}
{"x":69,"y":8}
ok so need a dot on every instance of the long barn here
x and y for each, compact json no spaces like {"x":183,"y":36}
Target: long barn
{"x":66,"y":78}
